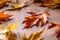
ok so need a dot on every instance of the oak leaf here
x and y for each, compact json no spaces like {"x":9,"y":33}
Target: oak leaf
{"x":36,"y":19}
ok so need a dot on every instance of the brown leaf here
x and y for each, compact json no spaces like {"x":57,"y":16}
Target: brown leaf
{"x":4,"y":16}
{"x":24,"y":37}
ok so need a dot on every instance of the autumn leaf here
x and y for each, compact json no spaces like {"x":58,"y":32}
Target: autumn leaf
{"x":58,"y":31}
{"x":33,"y":36}
{"x":35,"y":19}
{"x":53,"y":25}
{"x":16,"y":5}
{"x":4,"y":16}
{"x":3,"y":2}
{"x":56,"y":25}
{"x":12,"y":26}
{"x":24,"y":37}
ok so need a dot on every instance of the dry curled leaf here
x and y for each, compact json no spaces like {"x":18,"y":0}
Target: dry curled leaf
{"x":33,"y":36}
{"x":4,"y":16}
{"x":36,"y":19}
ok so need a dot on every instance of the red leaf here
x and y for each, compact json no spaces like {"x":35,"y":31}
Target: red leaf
{"x":27,"y":25}
{"x":52,"y":25}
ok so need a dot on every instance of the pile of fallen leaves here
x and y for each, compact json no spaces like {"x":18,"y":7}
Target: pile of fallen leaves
{"x":39,"y":20}
{"x":36,"y":19}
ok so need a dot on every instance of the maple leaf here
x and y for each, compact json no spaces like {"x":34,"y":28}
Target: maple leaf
{"x":4,"y":16}
{"x":33,"y":36}
{"x":35,"y":19}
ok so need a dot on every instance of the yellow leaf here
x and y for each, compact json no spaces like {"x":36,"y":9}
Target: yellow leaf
{"x":33,"y":36}
{"x":12,"y":26}
{"x":38,"y":35}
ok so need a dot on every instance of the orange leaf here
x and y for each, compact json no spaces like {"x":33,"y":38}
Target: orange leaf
{"x":3,"y":2}
{"x":4,"y":16}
